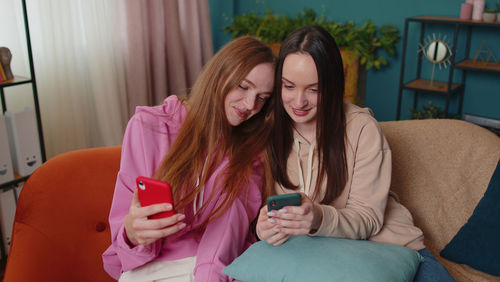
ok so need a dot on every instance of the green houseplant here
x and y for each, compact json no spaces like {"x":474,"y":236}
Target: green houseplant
{"x":431,"y":111}
{"x":489,"y":15}
{"x":365,"y":40}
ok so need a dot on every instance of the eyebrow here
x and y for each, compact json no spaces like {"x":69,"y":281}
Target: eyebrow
{"x":248,"y":81}
{"x":253,"y":85}
{"x":312,"y":84}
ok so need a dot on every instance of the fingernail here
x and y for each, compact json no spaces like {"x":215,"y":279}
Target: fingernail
{"x":169,"y":207}
{"x":181,"y":217}
{"x":271,"y":214}
{"x":283,"y":211}
{"x":276,"y":230}
{"x":182,"y":225}
{"x":271,"y":220}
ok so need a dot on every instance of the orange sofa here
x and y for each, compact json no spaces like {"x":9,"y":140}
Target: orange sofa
{"x":61,"y":223}
{"x":441,"y":169}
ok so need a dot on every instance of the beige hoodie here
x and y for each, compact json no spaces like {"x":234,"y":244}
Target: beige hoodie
{"x":366,"y":209}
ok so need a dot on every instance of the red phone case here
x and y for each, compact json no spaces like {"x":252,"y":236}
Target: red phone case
{"x":152,"y":191}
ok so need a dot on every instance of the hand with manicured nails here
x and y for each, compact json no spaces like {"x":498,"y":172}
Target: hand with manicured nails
{"x":268,"y":231}
{"x":276,"y":226}
{"x":141,"y":230}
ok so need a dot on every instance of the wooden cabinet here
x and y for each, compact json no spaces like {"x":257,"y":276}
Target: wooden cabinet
{"x":447,"y":88}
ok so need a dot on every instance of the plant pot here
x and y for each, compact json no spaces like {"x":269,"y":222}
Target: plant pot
{"x":489,"y":17}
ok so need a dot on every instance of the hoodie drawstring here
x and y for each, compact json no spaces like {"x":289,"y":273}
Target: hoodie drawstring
{"x":306,"y":187}
{"x":198,"y":198}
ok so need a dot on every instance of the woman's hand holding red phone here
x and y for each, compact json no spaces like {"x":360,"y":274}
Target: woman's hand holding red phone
{"x":276,"y":226}
{"x":142,"y":230}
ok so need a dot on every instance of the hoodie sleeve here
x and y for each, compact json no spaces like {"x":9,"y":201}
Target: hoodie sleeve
{"x":225,"y":238}
{"x":369,"y":173}
{"x":120,"y":256}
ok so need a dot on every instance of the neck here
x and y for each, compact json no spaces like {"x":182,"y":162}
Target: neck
{"x":308,"y":132}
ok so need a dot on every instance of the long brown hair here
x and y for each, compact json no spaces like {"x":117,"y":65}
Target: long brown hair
{"x":330,"y":125}
{"x":206,"y":137}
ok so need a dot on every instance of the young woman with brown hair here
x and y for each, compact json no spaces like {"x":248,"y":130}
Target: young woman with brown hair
{"x":335,"y":154}
{"x":208,"y":148}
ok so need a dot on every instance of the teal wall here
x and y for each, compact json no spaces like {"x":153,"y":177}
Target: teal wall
{"x":482,"y":92}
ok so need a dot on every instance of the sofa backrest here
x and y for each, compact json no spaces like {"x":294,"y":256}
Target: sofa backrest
{"x":61,"y":224}
{"x":441,"y":169}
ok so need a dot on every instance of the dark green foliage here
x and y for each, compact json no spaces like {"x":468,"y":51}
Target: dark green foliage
{"x":366,"y":40}
{"x":430,"y":111}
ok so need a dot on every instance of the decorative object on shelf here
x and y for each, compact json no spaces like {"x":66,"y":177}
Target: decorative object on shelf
{"x":23,"y":140}
{"x":466,"y":11}
{"x":438,"y":52}
{"x":484,"y":55}
{"x":7,"y":214}
{"x":5,"y":58}
{"x":6,"y":171}
{"x":477,"y":10}
{"x":489,"y":15}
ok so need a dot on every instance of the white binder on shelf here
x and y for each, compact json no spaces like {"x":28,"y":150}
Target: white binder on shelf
{"x":23,"y":139}
{"x":6,"y":169}
{"x":7,"y":213}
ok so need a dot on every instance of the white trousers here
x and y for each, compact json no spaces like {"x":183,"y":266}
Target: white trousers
{"x":180,"y":270}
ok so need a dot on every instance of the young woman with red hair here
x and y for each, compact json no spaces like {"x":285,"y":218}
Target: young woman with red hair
{"x":208,"y":148}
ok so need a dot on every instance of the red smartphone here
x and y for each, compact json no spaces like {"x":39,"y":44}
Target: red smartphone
{"x":152,"y":191}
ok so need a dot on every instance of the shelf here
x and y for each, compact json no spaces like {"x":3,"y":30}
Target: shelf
{"x":451,"y":20}
{"x":17,"y":179}
{"x":437,"y":87}
{"x":478,"y":66}
{"x":16,"y":81}
{"x":466,"y":65}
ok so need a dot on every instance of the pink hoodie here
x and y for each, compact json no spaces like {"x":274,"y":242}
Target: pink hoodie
{"x":149,"y":135}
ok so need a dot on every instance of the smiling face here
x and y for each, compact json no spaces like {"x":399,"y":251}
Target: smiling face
{"x":299,"y":91}
{"x":30,"y":161}
{"x":246,"y":100}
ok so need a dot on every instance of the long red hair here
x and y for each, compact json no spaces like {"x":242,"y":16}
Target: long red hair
{"x":206,"y":137}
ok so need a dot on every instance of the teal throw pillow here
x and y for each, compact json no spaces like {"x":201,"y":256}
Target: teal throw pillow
{"x":305,"y":258}
{"x":477,"y":243}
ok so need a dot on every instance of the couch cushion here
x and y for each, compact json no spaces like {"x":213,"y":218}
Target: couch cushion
{"x":477,"y":243}
{"x":304,"y":258}
{"x":441,"y":169}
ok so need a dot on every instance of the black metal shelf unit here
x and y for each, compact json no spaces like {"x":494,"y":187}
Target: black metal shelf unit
{"x":12,"y":83}
{"x":448,"y":88}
